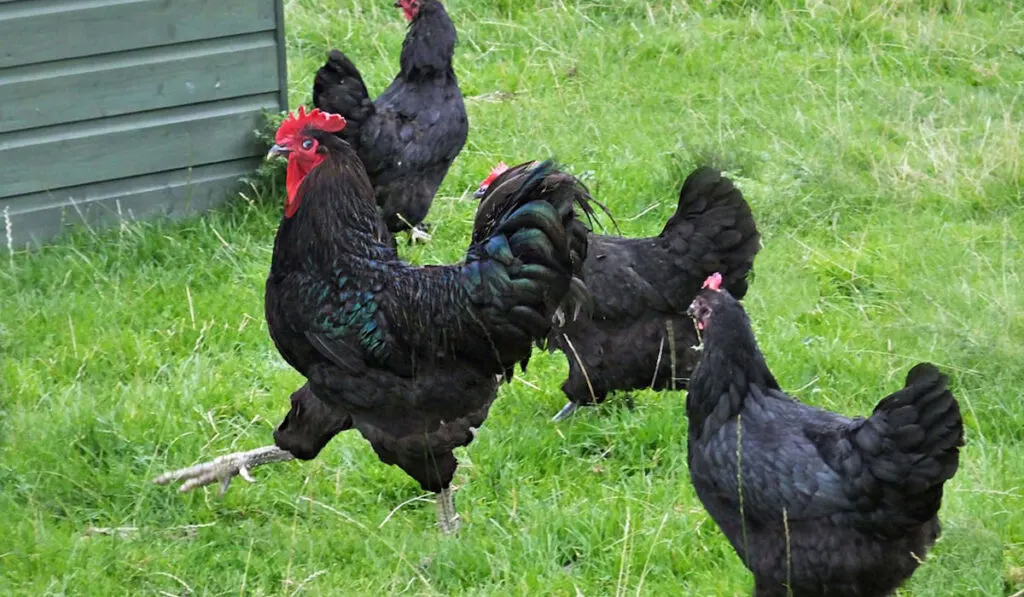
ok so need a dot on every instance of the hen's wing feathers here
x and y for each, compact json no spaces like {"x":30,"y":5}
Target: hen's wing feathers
{"x":411,"y":133}
{"x":892,"y":465}
{"x":625,"y":292}
{"x":342,"y":355}
{"x":753,"y":445}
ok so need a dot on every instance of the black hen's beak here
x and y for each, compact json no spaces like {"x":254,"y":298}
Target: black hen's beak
{"x":690,"y":312}
{"x":278,"y":151}
{"x":480,"y":192}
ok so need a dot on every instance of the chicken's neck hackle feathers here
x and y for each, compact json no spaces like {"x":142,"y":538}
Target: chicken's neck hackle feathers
{"x":335,"y":219}
{"x":429,"y":45}
{"x":730,"y":364}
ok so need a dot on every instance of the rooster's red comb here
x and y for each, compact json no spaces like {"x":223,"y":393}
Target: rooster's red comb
{"x":495,"y":173}
{"x":714,"y":281}
{"x":301,"y":119}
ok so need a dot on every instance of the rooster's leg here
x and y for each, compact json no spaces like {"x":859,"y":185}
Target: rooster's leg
{"x":417,"y":234}
{"x":447,"y":518}
{"x":224,"y":468}
{"x":566,"y":412}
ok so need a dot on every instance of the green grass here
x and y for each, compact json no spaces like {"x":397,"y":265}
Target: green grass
{"x":879,"y":143}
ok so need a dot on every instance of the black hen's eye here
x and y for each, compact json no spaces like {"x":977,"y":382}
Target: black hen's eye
{"x":307,"y":144}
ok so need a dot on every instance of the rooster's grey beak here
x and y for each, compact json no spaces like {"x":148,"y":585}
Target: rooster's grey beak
{"x":277,"y":150}
{"x":689,"y":311}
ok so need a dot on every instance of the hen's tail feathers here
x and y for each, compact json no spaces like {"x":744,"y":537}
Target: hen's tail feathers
{"x":714,"y":228}
{"x":911,"y":443}
{"x":338,"y":88}
{"x":527,"y":252}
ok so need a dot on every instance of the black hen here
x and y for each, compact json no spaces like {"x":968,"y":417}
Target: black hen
{"x":410,"y":356}
{"x":827,"y":505}
{"x":638,"y":335}
{"x":410,"y":135}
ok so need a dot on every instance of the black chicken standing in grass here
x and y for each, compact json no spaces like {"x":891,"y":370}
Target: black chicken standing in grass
{"x":638,"y":334}
{"x":409,"y":136}
{"x":814,"y":503}
{"x":410,"y":356}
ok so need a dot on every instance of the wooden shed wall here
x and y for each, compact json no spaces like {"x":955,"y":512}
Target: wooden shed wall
{"x":121,"y":109}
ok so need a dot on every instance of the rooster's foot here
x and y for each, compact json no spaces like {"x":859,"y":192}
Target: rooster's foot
{"x":224,"y":468}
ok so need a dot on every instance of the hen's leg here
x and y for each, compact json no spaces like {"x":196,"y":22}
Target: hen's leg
{"x":225,"y":468}
{"x":447,"y":518}
{"x":566,"y":412}
{"x":578,"y":387}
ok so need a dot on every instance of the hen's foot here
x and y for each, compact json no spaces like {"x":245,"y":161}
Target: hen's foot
{"x":566,"y":412}
{"x":418,"y":234}
{"x":447,"y":518}
{"x":224,"y":468}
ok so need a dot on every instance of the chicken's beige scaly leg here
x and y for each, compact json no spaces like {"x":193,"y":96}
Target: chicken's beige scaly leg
{"x":224,"y":468}
{"x":447,"y":518}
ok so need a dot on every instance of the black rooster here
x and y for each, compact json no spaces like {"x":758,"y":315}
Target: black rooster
{"x":827,"y":506}
{"x":409,"y":137}
{"x":410,"y":356}
{"x":639,"y":335}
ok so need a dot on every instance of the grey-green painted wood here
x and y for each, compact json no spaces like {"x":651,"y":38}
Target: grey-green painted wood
{"x":39,"y":217}
{"x":36,"y":31}
{"x":114,"y":110}
{"x":97,"y":150}
{"x":149,"y":79}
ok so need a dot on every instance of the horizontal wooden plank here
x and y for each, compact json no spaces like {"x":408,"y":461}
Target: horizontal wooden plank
{"x":48,"y":30}
{"x":114,"y":84}
{"x":84,"y":152}
{"x":38,"y":218}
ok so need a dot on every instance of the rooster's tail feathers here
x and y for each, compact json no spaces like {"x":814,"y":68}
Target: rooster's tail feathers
{"x":527,"y":225}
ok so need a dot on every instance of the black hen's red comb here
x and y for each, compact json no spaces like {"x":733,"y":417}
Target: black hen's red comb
{"x":301,"y":119}
{"x":714,"y":282}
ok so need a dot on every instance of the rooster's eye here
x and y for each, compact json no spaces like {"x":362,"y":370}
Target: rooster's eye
{"x":307,"y":144}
